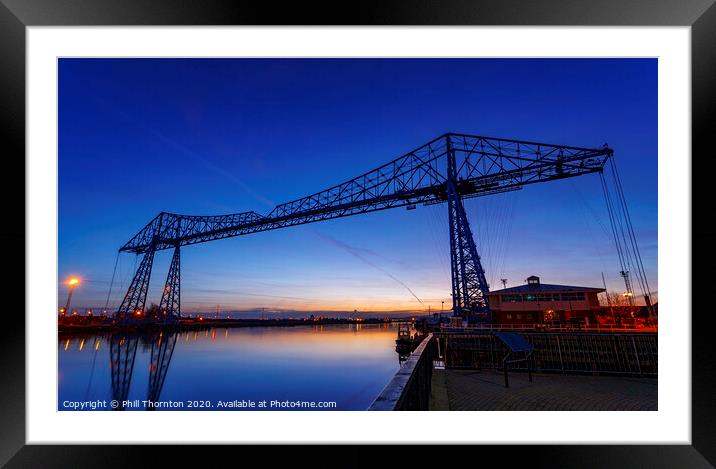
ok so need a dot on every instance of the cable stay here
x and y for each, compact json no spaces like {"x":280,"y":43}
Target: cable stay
{"x":111,"y":283}
{"x":624,"y":238}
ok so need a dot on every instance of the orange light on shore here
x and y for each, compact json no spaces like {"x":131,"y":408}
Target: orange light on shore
{"x":72,"y":283}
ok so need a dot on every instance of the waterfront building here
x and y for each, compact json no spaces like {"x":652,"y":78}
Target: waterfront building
{"x":538,"y":303}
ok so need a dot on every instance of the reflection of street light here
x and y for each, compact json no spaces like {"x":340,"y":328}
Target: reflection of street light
{"x":73,"y":282}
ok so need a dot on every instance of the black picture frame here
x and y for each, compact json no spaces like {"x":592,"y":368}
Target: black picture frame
{"x":16,"y":15}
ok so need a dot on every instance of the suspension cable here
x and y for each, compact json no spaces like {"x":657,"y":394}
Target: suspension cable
{"x":111,"y":283}
{"x":612,"y":223}
{"x":635,"y":246}
{"x":622,"y":227}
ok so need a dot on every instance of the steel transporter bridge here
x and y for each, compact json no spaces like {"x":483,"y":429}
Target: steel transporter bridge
{"x":446,"y":170}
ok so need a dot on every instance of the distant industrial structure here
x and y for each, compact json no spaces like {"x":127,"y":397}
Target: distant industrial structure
{"x":538,"y":303}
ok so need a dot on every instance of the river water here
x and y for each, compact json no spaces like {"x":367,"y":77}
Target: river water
{"x":336,"y":367}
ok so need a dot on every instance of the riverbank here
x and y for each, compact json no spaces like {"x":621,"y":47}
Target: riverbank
{"x":103,"y":324}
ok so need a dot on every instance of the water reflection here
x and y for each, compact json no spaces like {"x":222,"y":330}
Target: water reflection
{"x":161,"y":356}
{"x":123,"y":351}
{"x":349,"y":364}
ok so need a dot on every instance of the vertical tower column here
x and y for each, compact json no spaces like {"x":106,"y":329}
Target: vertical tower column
{"x":170,"y":305}
{"x":469,"y":286}
{"x":136,"y":296}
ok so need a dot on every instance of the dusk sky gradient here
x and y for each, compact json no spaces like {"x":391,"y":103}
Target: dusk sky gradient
{"x":217,"y":136}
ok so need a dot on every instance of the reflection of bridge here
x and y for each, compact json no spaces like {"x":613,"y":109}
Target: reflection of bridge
{"x":447,"y":170}
{"x":122,"y":352}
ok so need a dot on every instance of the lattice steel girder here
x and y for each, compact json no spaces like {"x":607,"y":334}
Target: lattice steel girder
{"x":161,"y":356}
{"x":483,"y":165}
{"x":136,"y":296}
{"x":122,"y":352}
{"x":170,"y":305}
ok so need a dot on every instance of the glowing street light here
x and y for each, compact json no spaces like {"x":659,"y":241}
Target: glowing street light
{"x":73,"y":282}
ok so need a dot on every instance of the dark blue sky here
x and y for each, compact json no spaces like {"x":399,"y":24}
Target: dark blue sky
{"x":213,"y":136}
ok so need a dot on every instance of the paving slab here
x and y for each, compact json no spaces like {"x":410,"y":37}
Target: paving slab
{"x":485,"y":390}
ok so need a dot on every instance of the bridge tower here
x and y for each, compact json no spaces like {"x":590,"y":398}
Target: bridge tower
{"x":170,"y":305}
{"x":469,"y":287}
{"x":132,"y":305}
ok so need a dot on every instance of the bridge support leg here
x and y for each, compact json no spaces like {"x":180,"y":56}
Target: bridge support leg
{"x":135,"y":299}
{"x":469,"y":286}
{"x":170,"y":305}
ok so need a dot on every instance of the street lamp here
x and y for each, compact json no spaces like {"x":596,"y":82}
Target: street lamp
{"x":73,"y":282}
{"x":629,"y":297}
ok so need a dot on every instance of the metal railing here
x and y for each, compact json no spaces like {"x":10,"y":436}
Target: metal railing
{"x":565,"y":327}
{"x":410,"y":387}
{"x":633,"y":354}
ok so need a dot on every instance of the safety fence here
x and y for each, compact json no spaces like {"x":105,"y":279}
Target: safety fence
{"x":594,"y":353}
{"x":562,"y":327}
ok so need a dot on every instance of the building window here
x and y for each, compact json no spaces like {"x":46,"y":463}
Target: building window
{"x":508,"y":316}
{"x":573,"y":296}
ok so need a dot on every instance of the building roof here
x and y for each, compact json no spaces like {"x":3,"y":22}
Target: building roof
{"x":545,"y":287}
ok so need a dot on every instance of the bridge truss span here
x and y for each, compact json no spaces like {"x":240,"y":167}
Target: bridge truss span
{"x":447,"y":169}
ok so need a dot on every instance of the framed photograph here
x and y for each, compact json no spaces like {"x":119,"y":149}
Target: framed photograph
{"x":410,"y":224}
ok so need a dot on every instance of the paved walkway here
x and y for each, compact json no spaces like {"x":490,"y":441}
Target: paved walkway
{"x":485,"y":390}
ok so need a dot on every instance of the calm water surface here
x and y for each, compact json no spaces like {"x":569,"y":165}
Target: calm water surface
{"x":345,"y":364}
